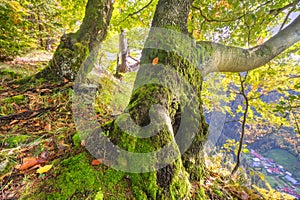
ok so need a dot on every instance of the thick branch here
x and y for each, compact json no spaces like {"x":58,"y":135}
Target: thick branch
{"x":233,"y":59}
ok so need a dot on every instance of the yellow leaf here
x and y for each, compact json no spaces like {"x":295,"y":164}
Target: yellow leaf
{"x":261,"y":176}
{"x":16,"y":6}
{"x":44,"y":169}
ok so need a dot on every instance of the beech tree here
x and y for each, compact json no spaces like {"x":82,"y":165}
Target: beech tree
{"x":158,"y":106}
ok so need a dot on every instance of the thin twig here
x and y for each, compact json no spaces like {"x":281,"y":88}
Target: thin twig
{"x":286,"y":18}
{"x":278,"y":10}
{"x":243,"y":124}
{"x":136,"y":12}
{"x":216,"y":20}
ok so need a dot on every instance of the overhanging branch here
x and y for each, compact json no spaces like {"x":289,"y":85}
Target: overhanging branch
{"x":233,"y":59}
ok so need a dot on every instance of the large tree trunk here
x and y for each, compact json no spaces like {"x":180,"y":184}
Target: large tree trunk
{"x":171,"y":179}
{"x":174,"y":15}
{"x":74,"y":48}
{"x":165,"y":96}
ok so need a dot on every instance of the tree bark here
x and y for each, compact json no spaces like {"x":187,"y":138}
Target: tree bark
{"x":174,"y":15}
{"x":74,"y":48}
{"x":155,"y":102}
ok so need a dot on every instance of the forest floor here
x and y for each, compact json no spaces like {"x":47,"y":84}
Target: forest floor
{"x":42,"y":155}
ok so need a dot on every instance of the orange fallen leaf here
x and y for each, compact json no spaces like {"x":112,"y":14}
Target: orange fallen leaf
{"x":155,"y":61}
{"x":30,"y":162}
{"x":66,"y":80}
{"x":48,"y":127}
{"x":37,"y":124}
{"x":97,"y":162}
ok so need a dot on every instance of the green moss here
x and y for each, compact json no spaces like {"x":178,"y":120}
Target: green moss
{"x":6,"y":165}
{"x":8,"y":75}
{"x":218,"y":192}
{"x":173,"y":28}
{"x":75,"y":178}
{"x":200,"y":195}
{"x":40,"y":81}
{"x":138,"y":193}
{"x":99,"y":195}
{"x":112,"y":177}
{"x":81,"y":52}
{"x":127,"y":142}
{"x":180,"y":186}
{"x":144,"y":186}
{"x":76,"y":140}
{"x":14,"y":141}
{"x":15,"y":99}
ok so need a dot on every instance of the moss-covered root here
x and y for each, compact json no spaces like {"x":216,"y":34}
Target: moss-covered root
{"x":170,"y":182}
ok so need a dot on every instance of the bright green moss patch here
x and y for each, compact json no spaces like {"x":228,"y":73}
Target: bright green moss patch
{"x":9,"y":75}
{"x":99,"y":195}
{"x":15,"y":140}
{"x":8,"y":105}
{"x":112,"y":177}
{"x":144,"y":185}
{"x":76,"y":140}
{"x":180,"y":186}
{"x":76,"y":178}
{"x":15,"y":99}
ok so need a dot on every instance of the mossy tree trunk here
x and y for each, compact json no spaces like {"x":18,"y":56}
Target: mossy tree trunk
{"x":173,"y":180}
{"x":74,"y":48}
